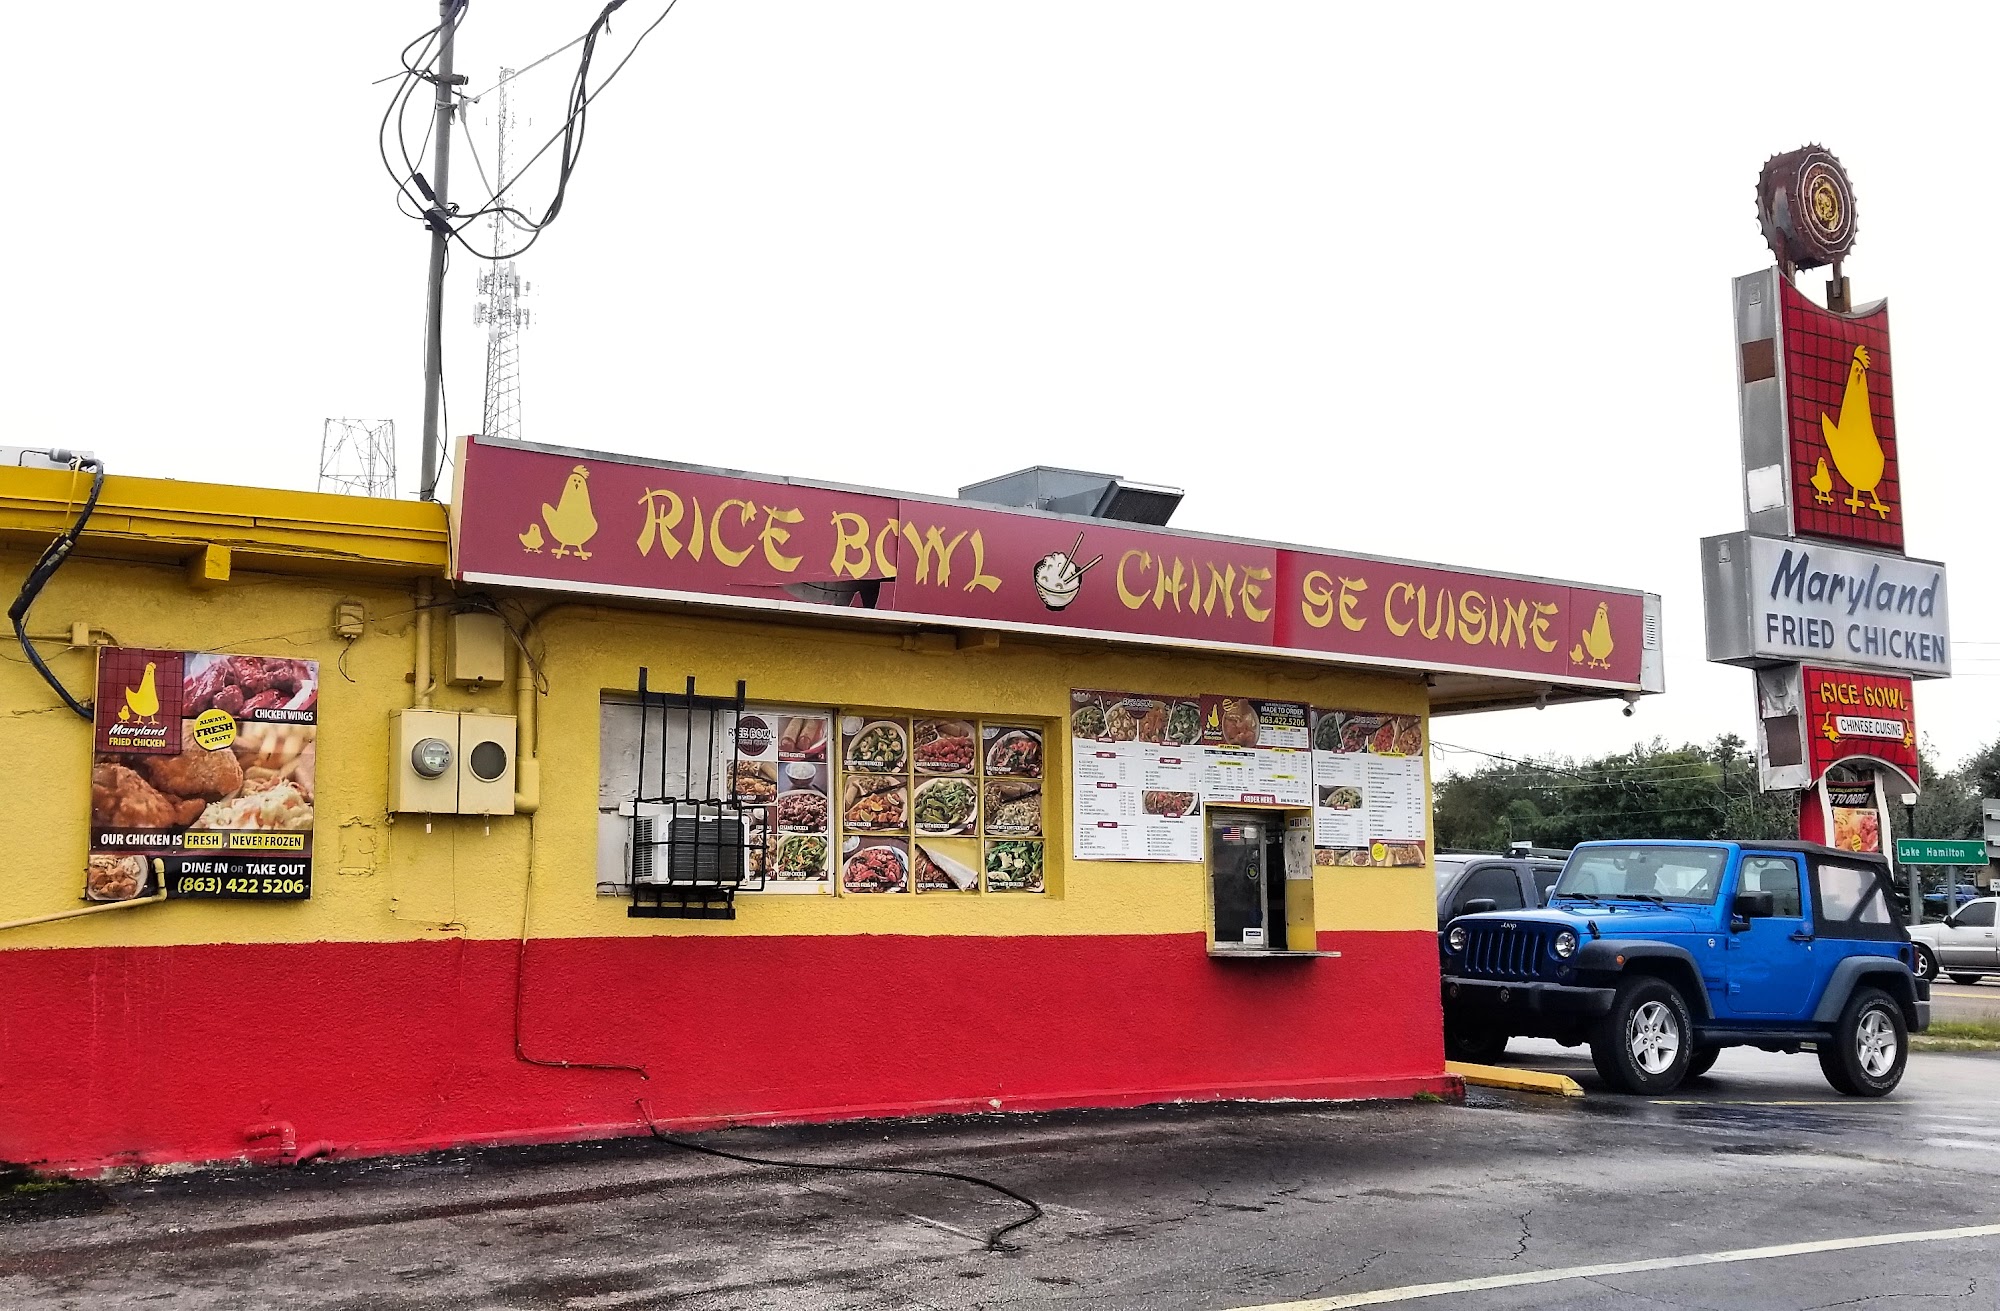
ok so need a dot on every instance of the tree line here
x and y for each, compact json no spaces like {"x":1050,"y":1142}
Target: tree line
{"x":1659,"y":791}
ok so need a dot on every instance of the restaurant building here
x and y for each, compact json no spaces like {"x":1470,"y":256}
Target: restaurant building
{"x":618,"y":783}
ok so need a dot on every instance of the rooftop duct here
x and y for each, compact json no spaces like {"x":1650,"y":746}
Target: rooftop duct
{"x":1071,"y":491}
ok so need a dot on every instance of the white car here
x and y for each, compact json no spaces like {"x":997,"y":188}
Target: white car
{"x":1960,"y":945}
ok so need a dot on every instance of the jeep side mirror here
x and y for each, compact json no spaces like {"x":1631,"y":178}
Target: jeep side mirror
{"x":1753,"y":906}
{"x":1480,"y":906}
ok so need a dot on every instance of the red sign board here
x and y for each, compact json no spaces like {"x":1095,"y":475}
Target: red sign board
{"x":1851,"y":716}
{"x":537,"y":517}
{"x":1841,"y":421}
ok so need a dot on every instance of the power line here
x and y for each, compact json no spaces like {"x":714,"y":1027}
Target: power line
{"x":571,"y":134}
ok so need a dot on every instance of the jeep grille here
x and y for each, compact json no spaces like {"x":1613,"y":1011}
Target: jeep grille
{"x":1515,"y":952}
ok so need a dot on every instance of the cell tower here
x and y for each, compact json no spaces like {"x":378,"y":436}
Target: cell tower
{"x":500,"y":308}
{"x":358,"y":457}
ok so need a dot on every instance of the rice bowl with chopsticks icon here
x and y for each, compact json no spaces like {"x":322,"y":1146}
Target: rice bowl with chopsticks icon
{"x":1058,"y":577}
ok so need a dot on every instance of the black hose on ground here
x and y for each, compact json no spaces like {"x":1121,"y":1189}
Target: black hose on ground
{"x":993,"y":1243}
{"x":45,"y":568}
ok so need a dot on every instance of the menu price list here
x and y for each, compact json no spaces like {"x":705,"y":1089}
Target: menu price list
{"x":1368,"y":784}
{"x":1131,"y":798}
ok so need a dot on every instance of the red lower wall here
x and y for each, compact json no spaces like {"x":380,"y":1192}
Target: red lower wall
{"x":121,"y":1056}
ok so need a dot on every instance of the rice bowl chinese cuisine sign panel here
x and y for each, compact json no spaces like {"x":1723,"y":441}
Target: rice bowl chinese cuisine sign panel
{"x":201,"y":780}
{"x":1853,"y":715}
{"x":576,"y":521}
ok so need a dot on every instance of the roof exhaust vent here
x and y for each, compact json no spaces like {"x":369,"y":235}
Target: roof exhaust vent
{"x":1071,"y":491}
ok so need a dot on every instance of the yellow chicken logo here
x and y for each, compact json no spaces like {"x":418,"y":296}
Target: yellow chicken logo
{"x":143,"y":700}
{"x":1851,"y":440}
{"x":1594,"y":651}
{"x":570,"y":520}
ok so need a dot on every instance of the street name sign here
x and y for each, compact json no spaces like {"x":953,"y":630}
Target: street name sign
{"x":1940,"y":851}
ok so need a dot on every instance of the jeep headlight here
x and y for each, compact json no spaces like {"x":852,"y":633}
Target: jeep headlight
{"x":1565,"y":944}
{"x":1456,"y":938}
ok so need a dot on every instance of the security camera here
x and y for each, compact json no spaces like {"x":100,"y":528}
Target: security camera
{"x":1631,"y":703}
{"x":1628,"y":711}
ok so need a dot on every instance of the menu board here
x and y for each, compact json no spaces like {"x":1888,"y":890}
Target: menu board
{"x":201,"y":777}
{"x":1137,"y":772}
{"x":782,"y":775}
{"x":1368,"y":788}
{"x":1142,"y":768}
{"x":1255,"y":752}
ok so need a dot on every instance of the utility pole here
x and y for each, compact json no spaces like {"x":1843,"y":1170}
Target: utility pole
{"x":439,"y":217}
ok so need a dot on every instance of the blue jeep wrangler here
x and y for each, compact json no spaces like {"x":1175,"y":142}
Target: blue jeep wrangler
{"x":1660,"y":954}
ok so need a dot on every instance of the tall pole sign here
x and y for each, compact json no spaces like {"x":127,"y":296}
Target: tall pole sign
{"x":1817,"y":595}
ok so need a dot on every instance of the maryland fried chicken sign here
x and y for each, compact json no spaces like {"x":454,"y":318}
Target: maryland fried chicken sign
{"x":201,"y":784}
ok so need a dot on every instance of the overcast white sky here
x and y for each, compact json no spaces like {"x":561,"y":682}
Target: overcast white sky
{"x":1446,"y":282}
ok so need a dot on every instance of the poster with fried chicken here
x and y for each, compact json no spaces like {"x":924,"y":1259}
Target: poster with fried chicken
{"x":201,"y":777}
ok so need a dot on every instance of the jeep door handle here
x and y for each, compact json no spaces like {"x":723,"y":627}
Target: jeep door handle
{"x":1802,"y":937}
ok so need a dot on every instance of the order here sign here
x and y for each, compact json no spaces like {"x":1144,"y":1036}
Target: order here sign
{"x":1770,"y":600}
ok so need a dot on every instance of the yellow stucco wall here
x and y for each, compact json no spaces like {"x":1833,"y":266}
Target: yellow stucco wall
{"x":383,"y":878}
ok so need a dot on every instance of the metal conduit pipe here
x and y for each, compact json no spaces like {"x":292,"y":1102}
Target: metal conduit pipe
{"x":421,"y":678}
{"x":527,"y":767}
{"x":85,"y":910}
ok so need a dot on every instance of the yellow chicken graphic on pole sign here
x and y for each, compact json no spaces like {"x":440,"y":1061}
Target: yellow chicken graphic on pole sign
{"x":1851,"y":440}
{"x":570,"y":520}
{"x":1594,"y":651}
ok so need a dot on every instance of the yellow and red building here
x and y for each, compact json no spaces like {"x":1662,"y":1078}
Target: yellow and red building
{"x":471,"y":969}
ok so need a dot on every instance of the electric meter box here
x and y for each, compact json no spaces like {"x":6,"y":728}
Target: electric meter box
{"x":485,"y":764}
{"x":442,"y":762}
{"x":475,"y":650}
{"x":423,"y":762}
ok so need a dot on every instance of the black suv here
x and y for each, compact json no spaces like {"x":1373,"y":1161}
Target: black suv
{"x":1509,"y":882}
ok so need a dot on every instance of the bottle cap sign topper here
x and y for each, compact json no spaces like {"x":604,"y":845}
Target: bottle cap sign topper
{"x":1806,"y":206}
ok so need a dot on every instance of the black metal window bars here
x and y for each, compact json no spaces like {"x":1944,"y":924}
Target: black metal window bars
{"x":686,"y":852}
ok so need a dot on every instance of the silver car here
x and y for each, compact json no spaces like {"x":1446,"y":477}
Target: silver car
{"x":1960,"y":945}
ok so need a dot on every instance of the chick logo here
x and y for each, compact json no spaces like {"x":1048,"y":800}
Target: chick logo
{"x":1594,"y":651}
{"x":1850,"y":439}
{"x":570,"y":519}
{"x":142,"y":701}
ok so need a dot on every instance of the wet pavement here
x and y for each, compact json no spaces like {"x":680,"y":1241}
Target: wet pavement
{"x":1205,"y":1208}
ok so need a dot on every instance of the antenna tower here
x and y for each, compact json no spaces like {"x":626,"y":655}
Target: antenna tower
{"x":500,"y":308}
{"x":358,"y":457}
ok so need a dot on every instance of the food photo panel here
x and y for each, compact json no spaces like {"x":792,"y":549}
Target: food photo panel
{"x":1014,"y":866}
{"x":870,"y":865}
{"x":1012,"y":751}
{"x":945,"y":746}
{"x":874,"y":746}
{"x":946,"y":865}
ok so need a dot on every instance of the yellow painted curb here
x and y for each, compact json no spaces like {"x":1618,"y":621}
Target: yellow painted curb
{"x":1534,"y":1081}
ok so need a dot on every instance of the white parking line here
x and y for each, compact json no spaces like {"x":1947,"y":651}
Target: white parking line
{"x":1412,"y":1292}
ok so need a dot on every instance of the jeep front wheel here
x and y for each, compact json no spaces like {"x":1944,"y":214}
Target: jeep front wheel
{"x":1644,"y":1044}
{"x":1869,"y":1047}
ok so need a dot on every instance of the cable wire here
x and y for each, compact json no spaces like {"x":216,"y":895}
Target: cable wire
{"x":571,"y":135}
{"x":45,"y":569}
{"x":993,"y":1239}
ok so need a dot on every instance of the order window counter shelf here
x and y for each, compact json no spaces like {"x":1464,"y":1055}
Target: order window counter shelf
{"x":1223,"y":951}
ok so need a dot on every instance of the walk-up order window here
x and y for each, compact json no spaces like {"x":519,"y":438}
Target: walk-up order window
{"x":1260,"y":883}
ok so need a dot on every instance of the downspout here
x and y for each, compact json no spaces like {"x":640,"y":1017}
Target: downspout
{"x":421,"y":696}
{"x":527,"y":767}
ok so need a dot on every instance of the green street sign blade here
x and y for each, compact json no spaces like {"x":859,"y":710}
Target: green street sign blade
{"x":1940,"y":851}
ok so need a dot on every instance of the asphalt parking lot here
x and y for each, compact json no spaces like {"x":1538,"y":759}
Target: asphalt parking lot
{"x":1976,"y":1001}
{"x":1210,"y":1208}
